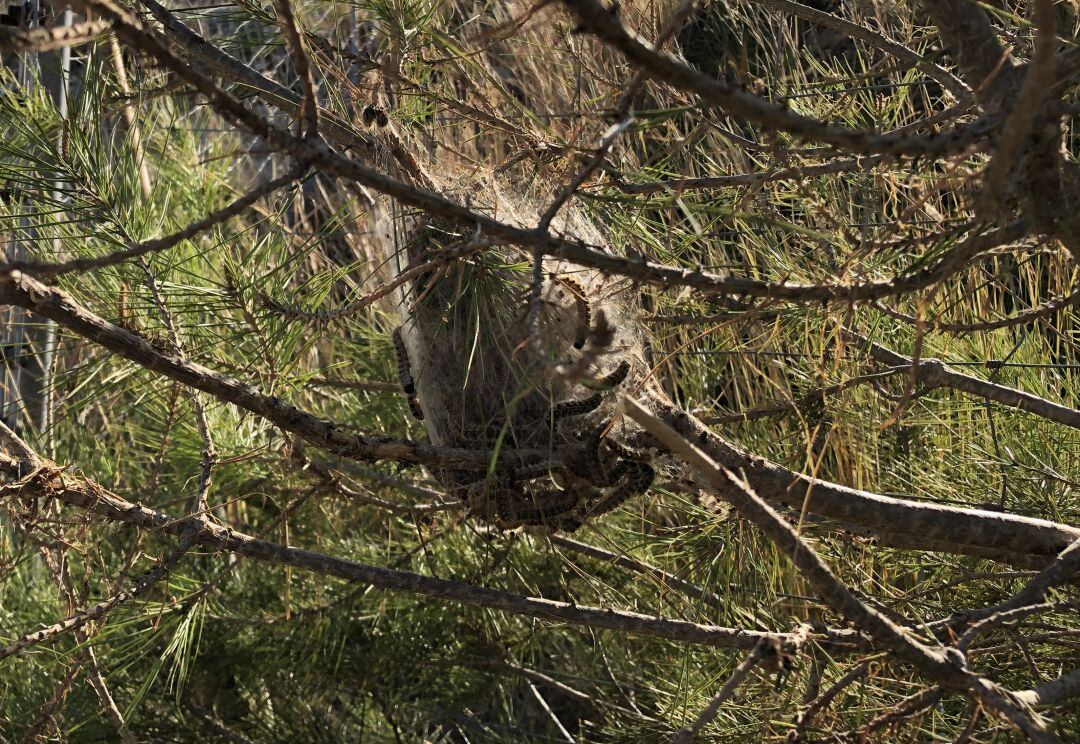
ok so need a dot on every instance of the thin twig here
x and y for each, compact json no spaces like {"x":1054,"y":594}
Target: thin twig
{"x":671,"y":28}
{"x":294,"y":312}
{"x":955,"y":85}
{"x":689,"y":733}
{"x":814,"y":396}
{"x":309,"y":109}
{"x":100,"y":610}
{"x":1050,"y":307}
{"x":796,"y":172}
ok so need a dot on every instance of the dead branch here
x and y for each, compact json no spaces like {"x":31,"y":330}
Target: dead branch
{"x":933,"y":373}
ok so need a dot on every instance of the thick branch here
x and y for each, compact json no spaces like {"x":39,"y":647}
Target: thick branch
{"x":1029,"y":98}
{"x":1055,"y":692}
{"x":968,"y":35}
{"x":53,"y":37}
{"x":965,"y":531}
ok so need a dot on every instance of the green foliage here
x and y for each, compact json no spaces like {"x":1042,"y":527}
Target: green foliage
{"x":230,"y":646}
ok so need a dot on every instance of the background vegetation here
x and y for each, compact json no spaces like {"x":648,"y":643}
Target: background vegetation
{"x":224,"y":647}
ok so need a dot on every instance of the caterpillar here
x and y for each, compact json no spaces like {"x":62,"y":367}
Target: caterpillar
{"x":502,"y":502}
{"x":590,"y":467}
{"x":577,"y":407}
{"x":372,"y":115}
{"x":557,"y":504}
{"x":539,"y":470}
{"x":639,"y":476}
{"x":622,"y":450}
{"x":584,"y":309}
{"x":414,"y":408}
{"x":295,"y":312}
{"x":404,"y":370}
{"x":65,"y":140}
{"x":611,"y":379}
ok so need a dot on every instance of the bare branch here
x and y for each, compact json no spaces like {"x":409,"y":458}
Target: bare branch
{"x":1007,"y":613}
{"x":1055,"y":692}
{"x":968,"y":35}
{"x":909,"y":706}
{"x":57,"y":305}
{"x":933,"y":661}
{"x":373,"y":386}
{"x":583,"y":175}
{"x":807,"y":715}
{"x":53,"y":37}
{"x":85,"y":494}
{"x":465,"y":250}
{"x":1031,"y":597}
{"x":1059,"y":571}
{"x":671,"y":28}
{"x":440,"y":503}
{"x":935,"y":373}
{"x":814,"y":396}
{"x":917,"y":525}
{"x":197,"y":49}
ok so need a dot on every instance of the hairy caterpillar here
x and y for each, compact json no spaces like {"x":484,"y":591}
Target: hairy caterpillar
{"x":372,"y":115}
{"x":611,"y":379}
{"x":638,"y":477}
{"x":577,"y":407}
{"x":555,"y":504}
{"x":404,"y":370}
{"x":584,"y":309}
